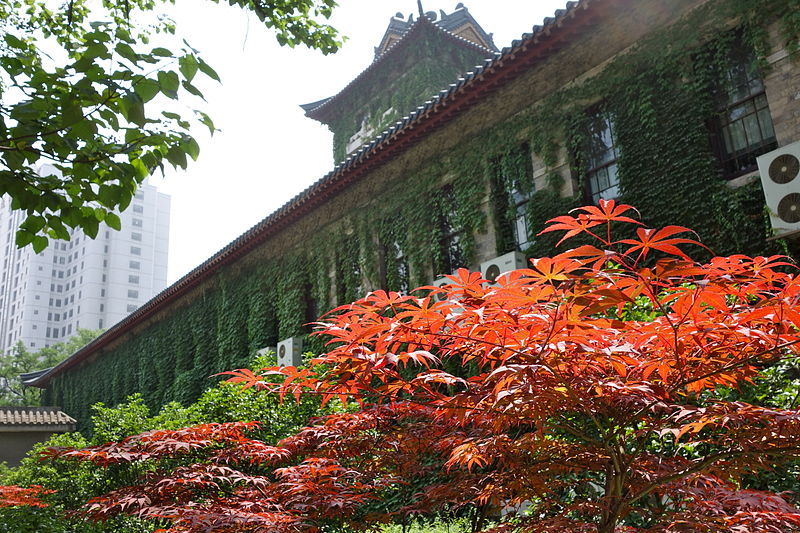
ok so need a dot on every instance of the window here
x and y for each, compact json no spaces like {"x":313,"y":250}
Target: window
{"x":135,"y":250}
{"x":348,"y":273}
{"x":133,"y":279}
{"x":743,"y":128}
{"x":138,"y":208}
{"x":395,"y":271}
{"x":131,"y":308}
{"x":133,"y":293}
{"x":137,"y":222}
{"x":136,"y":236}
{"x":451,"y":253}
{"x":134,"y":265}
{"x":601,"y":174}
{"x":513,"y":188}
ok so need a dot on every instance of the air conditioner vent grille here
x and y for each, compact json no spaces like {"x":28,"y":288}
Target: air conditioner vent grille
{"x":492,"y":273}
{"x":789,"y":208}
{"x":784,"y":169}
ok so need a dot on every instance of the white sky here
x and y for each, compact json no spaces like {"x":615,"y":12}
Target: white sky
{"x":268,"y":151}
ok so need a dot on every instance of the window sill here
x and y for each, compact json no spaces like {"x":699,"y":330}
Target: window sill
{"x":744,"y":179}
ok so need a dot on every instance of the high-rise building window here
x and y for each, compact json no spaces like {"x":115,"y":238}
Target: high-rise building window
{"x":135,"y":250}
{"x":137,"y":222}
{"x":743,"y":129}
{"x":133,"y":279}
{"x":135,"y":265}
{"x":133,"y":293}
{"x":138,"y":208}
{"x":136,"y":236}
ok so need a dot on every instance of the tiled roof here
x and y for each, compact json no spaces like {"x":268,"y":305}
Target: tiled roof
{"x":34,"y":417}
{"x":467,"y":91}
{"x":459,"y":18}
{"x":315,"y":110}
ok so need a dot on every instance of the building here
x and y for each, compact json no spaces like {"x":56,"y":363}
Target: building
{"x":414,"y":59}
{"x":665,"y":105}
{"x":22,"y":427}
{"x":82,"y":283}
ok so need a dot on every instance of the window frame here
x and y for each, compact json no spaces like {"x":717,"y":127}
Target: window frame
{"x":741,"y":73}
{"x":596,"y":161}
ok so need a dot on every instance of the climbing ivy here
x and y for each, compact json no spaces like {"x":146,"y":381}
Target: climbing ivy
{"x":414,"y":78}
{"x":661,"y":97}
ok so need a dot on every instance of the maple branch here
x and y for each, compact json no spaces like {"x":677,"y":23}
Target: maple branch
{"x":708,"y":461}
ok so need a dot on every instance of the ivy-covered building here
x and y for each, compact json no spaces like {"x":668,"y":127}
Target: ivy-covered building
{"x":664,"y":105}
{"x":413,"y":60}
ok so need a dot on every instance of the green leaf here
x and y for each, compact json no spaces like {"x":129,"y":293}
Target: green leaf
{"x":141,"y":169}
{"x":147,"y":89}
{"x":15,"y":42}
{"x":188,"y":66}
{"x":125,"y":50}
{"x":192,"y":89}
{"x":108,"y":195}
{"x":132,"y":109}
{"x":24,"y":237}
{"x":96,"y":50}
{"x":177,"y":157}
{"x":161,"y":52}
{"x":205,"y":119}
{"x":113,"y":221}
{"x":192,"y":148}
{"x":207,"y":70}
{"x":39,"y":243}
{"x":169,"y":83}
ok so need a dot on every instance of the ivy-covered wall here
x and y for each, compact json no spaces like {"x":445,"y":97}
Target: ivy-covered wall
{"x":660,"y":94}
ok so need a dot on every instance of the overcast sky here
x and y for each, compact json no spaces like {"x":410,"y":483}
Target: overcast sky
{"x":268,"y":151}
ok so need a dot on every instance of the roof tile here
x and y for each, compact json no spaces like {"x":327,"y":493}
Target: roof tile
{"x":35,"y":416}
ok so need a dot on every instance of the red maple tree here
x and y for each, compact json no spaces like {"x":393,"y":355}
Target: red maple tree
{"x":589,"y":387}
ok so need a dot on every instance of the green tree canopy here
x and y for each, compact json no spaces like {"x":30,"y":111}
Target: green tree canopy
{"x":20,"y":361}
{"x":85,"y":91}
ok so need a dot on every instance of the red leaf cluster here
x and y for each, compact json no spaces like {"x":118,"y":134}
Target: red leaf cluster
{"x":14,"y":496}
{"x":546,"y":387}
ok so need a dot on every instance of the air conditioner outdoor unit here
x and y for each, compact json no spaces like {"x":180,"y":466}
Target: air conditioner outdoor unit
{"x":492,"y":269}
{"x":267,"y":350}
{"x":780,"y":178}
{"x":438,"y":283}
{"x":290,"y":352}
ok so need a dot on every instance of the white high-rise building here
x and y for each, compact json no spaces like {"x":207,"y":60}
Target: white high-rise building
{"x":81,"y":283}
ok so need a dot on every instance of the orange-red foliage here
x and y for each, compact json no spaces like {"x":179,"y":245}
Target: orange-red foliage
{"x":541,"y":388}
{"x":14,"y":496}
